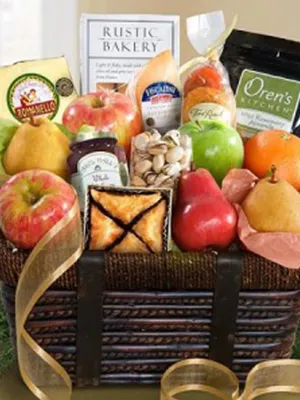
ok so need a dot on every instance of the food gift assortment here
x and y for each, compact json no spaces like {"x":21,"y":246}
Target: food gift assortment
{"x":164,"y":169}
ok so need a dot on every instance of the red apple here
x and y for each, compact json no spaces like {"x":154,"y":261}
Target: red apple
{"x":106,"y":111}
{"x":31,"y":203}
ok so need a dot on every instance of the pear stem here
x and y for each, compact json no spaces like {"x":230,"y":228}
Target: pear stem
{"x":32,"y":121}
{"x":274,"y":178}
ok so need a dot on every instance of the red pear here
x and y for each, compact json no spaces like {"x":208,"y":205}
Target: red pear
{"x":203,"y":217}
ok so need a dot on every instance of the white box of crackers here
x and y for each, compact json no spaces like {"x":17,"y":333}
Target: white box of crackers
{"x":114,"y":46}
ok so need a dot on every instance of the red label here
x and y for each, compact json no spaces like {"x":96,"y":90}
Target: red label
{"x":47,"y":107}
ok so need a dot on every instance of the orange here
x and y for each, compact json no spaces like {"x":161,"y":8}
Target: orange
{"x":274,"y":147}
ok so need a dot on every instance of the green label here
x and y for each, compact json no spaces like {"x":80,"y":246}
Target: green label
{"x":265,"y":102}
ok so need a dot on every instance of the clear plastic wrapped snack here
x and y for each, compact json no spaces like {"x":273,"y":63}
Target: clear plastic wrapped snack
{"x":157,"y":160}
{"x":207,"y":94}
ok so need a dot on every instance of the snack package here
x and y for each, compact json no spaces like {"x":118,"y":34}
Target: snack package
{"x":115,"y":46}
{"x":158,"y":160}
{"x":156,"y":90}
{"x":128,"y":220}
{"x":265,"y":74}
{"x":207,"y":94}
{"x":36,"y":88}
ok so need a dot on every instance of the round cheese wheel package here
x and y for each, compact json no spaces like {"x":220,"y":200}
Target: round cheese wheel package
{"x":156,"y":89}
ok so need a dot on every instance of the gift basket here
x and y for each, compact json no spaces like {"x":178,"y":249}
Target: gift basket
{"x":146,"y":227}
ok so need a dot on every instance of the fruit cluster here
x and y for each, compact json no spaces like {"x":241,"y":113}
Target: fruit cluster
{"x":193,"y":159}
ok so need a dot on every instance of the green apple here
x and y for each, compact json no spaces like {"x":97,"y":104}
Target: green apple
{"x":217,"y":147}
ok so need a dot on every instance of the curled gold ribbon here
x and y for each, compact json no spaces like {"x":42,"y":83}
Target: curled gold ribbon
{"x":199,"y":375}
{"x":57,"y":251}
{"x":269,"y":378}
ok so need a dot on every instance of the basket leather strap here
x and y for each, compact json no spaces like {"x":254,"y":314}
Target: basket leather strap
{"x":90,"y":271}
{"x":228,"y":284}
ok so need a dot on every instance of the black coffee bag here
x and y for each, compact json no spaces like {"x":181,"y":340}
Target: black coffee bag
{"x":265,"y":75}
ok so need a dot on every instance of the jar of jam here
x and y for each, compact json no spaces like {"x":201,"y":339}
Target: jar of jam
{"x":96,"y":159}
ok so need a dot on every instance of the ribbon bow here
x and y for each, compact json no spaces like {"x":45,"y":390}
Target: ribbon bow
{"x":212,"y":53}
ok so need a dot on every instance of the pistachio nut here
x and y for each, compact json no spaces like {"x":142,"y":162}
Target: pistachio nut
{"x":141,"y":141}
{"x":172,"y":169}
{"x":172,"y":138}
{"x":143,"y":166}
{"x":141,"y":155}
{"x":157,"y":148}
{"x":150,"y":177}
{"x":138,"y":181}
{"x":160,"y":179}
{"x":155,"y":135}
{"x":175,"y":154}
{"x":158,"y":163}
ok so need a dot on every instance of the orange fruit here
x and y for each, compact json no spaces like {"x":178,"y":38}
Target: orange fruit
{"x":274,"y":147}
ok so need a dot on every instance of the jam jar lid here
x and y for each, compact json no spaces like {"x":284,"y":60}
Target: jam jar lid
{"x":88,"y":132}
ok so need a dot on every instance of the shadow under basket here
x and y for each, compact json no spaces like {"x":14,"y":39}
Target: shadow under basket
{"x":125,"y":318}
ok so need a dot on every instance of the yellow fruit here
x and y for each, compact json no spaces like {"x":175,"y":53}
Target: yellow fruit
{"x":273,"y":205}
{"x":37,"y":145}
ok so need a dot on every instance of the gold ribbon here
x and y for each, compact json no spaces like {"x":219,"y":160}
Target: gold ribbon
{"x":212,"y":51}
{"x":57,"y":251}
{"x":266,"y":381}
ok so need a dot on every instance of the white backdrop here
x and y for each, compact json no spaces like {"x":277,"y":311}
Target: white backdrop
{"x":31,"y":29}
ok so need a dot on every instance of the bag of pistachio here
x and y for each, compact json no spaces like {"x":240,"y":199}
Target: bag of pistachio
{"x":157,"y":160}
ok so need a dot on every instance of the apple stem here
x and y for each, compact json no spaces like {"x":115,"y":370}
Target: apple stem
{"x":31,"y":198}
{"x":274,"y":178}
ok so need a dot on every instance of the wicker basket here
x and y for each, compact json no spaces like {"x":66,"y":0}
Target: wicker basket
{"x":125,"y":318}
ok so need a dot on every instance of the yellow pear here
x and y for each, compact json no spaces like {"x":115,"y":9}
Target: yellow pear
{"x":273,"y":205}
{"x":38,"y":144}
